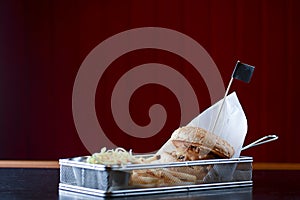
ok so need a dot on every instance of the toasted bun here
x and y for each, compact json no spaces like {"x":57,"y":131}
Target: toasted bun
{"x":195,"y":143}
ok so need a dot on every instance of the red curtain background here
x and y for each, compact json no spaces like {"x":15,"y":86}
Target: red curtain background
{"x":43,"y":43}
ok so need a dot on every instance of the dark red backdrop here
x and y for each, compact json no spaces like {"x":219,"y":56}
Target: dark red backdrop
{"x":43,"y":43}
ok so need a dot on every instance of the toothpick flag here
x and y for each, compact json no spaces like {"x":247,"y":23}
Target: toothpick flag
{"x":243,"y":72}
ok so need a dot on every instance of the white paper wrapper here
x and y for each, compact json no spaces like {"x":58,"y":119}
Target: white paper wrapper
{"x":231,"y":126}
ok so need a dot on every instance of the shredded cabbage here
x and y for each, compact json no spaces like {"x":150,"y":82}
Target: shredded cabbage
{"x":118,"y":156}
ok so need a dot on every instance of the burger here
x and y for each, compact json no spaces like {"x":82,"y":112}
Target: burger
{"x":186,"y":144}
{"x":194,"y":143}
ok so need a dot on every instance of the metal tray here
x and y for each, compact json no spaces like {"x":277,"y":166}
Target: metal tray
{"x":118,"y":181}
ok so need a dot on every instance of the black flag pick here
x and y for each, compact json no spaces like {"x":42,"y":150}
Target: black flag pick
{"x":243,"y":72}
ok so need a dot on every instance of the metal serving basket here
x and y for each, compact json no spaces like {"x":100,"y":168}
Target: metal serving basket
{"x":76,"y":175}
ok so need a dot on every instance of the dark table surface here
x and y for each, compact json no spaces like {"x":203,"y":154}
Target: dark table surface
{"x":37,"y":183}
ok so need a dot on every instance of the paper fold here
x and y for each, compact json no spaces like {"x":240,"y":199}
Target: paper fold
{"x":232,"y":124}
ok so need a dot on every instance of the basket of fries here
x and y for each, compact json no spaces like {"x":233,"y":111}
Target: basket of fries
{"x":144,"y":177}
